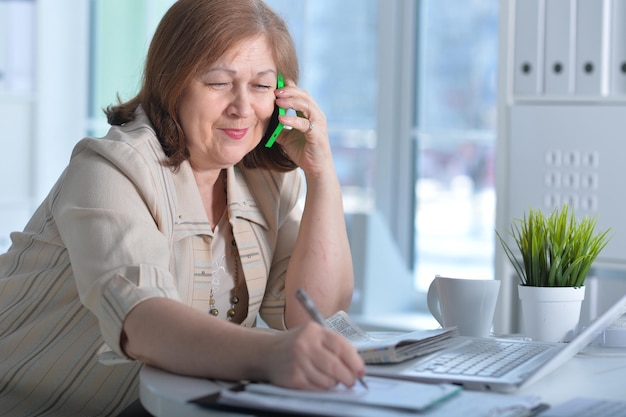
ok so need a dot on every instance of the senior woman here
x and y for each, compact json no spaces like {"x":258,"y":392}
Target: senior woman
{"x":162,"y":242}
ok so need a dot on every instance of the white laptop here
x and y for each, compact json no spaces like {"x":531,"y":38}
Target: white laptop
{"x":502,"y":365}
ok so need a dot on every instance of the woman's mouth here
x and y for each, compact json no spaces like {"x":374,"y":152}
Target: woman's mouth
{"x":235,"y":133}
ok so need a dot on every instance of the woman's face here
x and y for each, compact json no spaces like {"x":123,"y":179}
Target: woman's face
{"x":226,"y":109}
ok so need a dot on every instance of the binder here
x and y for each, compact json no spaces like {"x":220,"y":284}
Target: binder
{"x":618,"y":50}
{"x":592,"y":52}
{"x":559,"y":47}
{"x":528,"y":47}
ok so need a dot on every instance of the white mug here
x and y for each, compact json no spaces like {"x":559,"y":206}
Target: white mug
{"x":468,"y":304}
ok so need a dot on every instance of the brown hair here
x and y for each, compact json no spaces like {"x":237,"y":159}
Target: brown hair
{"x":192,"y":35}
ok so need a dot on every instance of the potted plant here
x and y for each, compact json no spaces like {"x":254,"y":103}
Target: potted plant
{"x":557,"y":252}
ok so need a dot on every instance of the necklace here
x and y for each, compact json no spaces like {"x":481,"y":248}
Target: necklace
{"x":234,"y":298}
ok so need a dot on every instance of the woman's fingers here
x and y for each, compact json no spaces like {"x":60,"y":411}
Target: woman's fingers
{"x":305,"y":107}
{"x":344,"y":363}
{"x":316,"y":358}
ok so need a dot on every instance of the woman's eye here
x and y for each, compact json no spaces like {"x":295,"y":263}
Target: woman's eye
{"x":217,"y":85}
{"x":264,"y":87}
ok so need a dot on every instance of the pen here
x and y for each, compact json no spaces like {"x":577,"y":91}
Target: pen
{"x":315,"y":314}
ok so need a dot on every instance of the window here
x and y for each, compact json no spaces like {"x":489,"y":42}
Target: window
{"x":456,"y":124}
{"x":17,"y":79}
{"x":17,"y":39}
{"x":454,"y":131}
{"x":336,"y":42}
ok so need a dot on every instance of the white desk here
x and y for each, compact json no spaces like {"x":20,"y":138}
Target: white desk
{"x":166,"y":395}
{"x":589,"y":375}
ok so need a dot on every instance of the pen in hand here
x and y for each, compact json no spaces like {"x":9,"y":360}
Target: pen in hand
{"x":315,"y":314}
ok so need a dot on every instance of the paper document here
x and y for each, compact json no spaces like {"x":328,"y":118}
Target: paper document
{"x":392,"y":349}
{"x":266,"y":400}
{"x":381,"y":392}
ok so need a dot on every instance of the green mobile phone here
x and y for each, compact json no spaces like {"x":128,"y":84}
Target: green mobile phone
{"x":275,"y":127}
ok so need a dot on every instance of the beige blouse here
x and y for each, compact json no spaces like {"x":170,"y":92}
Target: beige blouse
{"x":116,"y":229}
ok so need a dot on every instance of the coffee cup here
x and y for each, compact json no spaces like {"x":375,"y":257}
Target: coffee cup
{"x":468,"y":304}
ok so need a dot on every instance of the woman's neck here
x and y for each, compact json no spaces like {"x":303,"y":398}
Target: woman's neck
{"x":212,"y":188}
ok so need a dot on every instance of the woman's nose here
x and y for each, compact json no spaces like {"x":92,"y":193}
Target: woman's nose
{"x":241,"y":104}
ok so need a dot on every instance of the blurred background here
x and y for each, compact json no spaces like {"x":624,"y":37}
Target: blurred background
{"x":408,"y":87}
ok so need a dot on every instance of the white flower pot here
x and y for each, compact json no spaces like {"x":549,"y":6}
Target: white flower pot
{"x":551,"y":314}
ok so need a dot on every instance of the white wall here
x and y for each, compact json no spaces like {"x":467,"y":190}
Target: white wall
{"x":560,"y":133}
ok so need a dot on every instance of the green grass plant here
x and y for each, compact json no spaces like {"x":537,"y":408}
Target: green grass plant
{"x":557,"y":250}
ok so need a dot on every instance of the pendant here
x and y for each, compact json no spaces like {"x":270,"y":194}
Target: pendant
{"x":212,"y":310}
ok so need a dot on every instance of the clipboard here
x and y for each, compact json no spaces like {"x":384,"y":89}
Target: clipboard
{"x":464,"y":403}
{"x":385,"y":398}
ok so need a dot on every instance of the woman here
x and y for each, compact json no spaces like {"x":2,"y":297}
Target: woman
{"x":178,"y":222}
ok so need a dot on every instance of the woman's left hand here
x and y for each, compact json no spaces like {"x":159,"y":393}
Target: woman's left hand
{"x":307,"y":143}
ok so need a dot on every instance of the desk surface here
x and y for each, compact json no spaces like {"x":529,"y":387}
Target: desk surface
{"x":598,"y":373}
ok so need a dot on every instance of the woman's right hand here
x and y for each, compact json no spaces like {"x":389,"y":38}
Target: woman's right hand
{"x":312,"y":357}
{"x":178,"y":338}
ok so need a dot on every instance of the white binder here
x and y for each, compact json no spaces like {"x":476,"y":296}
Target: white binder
{"x":618,"y":50}
{"x":528,"y":47}
{"x":559,"y":47}
{"x":592,"y":47}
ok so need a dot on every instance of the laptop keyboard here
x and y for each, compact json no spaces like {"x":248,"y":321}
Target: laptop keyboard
{"x":483,"y":358}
